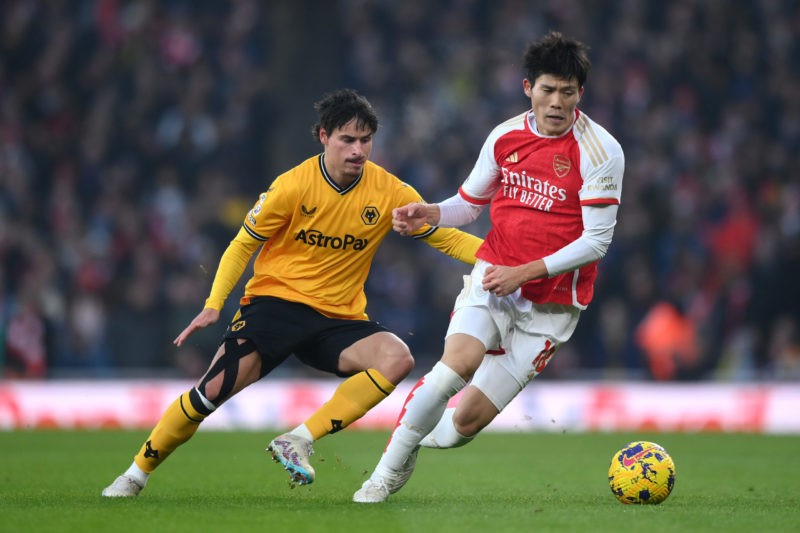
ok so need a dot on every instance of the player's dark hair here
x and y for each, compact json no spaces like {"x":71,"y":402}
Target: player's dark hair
{"x":558,"y":56}
{"x":339,"y":107}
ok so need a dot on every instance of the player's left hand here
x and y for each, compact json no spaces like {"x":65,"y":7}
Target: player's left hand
{"x":503,"y":280}
{"x":206,"y":317}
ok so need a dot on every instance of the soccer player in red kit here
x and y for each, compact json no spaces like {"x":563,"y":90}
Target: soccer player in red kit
{"x":553,"y":180}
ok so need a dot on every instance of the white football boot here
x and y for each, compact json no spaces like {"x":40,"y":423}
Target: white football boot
{"x":123,"y":487}
{"x":378,"y":488}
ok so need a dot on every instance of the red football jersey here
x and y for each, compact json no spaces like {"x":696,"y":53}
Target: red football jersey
{"x":536,"y":185}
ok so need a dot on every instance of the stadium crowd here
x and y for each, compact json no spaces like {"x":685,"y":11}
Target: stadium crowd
{"x":135,"y":134}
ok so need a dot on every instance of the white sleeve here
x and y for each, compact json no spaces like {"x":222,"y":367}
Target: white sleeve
{"x":598,"y":224}
{"x":455,"y":212}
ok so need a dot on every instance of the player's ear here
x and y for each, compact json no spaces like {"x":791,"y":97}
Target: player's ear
{"x":527,"y":87}
{"x":323,"y":136}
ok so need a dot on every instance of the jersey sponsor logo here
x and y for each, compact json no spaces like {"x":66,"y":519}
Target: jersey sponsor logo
{"x":604,"y":184}
{"x":528,"y":190}
{"x":313,"y":237}
{"x":561,"y":165}
{"x":306,"y":211}
{"x":370,"y":215}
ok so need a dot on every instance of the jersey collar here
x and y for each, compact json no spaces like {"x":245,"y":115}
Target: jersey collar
{"x":341,"y":190}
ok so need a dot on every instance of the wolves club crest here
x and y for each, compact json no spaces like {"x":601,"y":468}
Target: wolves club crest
{"x":561,"y":165}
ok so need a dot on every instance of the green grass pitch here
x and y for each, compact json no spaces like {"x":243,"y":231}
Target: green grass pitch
{"x":225,"y":481}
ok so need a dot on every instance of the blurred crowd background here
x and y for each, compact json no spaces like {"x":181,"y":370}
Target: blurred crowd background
{"x":135,"y":135}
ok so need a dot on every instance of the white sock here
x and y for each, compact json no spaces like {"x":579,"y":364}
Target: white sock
{"x":137,"y":473}
{"x":445,"y":435}
{"x":302,"y":431}
{"x":422,"y":410}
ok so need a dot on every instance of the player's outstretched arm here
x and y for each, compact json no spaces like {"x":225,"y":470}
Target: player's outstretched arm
{"x":409,"y":218}
{"x":455,"y":243}
{"x":206,"y":317}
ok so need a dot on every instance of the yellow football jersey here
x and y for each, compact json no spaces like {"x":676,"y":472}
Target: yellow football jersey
{"x":319,"y":239}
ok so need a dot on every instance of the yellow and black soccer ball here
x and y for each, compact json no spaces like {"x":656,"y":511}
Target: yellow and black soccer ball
{"x":642,"y":472}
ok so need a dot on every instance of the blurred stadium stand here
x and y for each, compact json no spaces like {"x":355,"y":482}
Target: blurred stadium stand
{"x":135,"y":134}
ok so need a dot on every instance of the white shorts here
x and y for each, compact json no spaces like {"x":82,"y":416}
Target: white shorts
{"x":529,"y":333}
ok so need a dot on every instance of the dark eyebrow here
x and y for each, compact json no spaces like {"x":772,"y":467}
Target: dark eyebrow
{"x":348,"y":137}
{"x":552,"y":87}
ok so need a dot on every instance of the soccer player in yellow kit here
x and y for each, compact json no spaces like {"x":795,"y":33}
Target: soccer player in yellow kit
{"x":316,"y":230}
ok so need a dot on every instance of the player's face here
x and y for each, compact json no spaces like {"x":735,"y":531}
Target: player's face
{"x":553,"y":101}
{"x":347,"y":150}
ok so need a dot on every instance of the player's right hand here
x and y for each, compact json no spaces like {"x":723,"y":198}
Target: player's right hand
{"x":409,"y":218}
{"x":206,"y":317}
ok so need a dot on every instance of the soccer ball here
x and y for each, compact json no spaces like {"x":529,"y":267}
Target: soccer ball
{"x":641,"y":472}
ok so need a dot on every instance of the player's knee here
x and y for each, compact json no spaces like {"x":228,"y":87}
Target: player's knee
{"x":395,"y":362}
{"x":389,"y":356}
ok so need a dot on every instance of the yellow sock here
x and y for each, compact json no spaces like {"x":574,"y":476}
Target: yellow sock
{"x":352,"y":399}
{"x":177,"y":425}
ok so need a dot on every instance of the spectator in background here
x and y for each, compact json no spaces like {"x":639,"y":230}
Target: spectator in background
{"x":25,"y":340}
{"x":89,"y":103}
{"x":669,"y":341}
